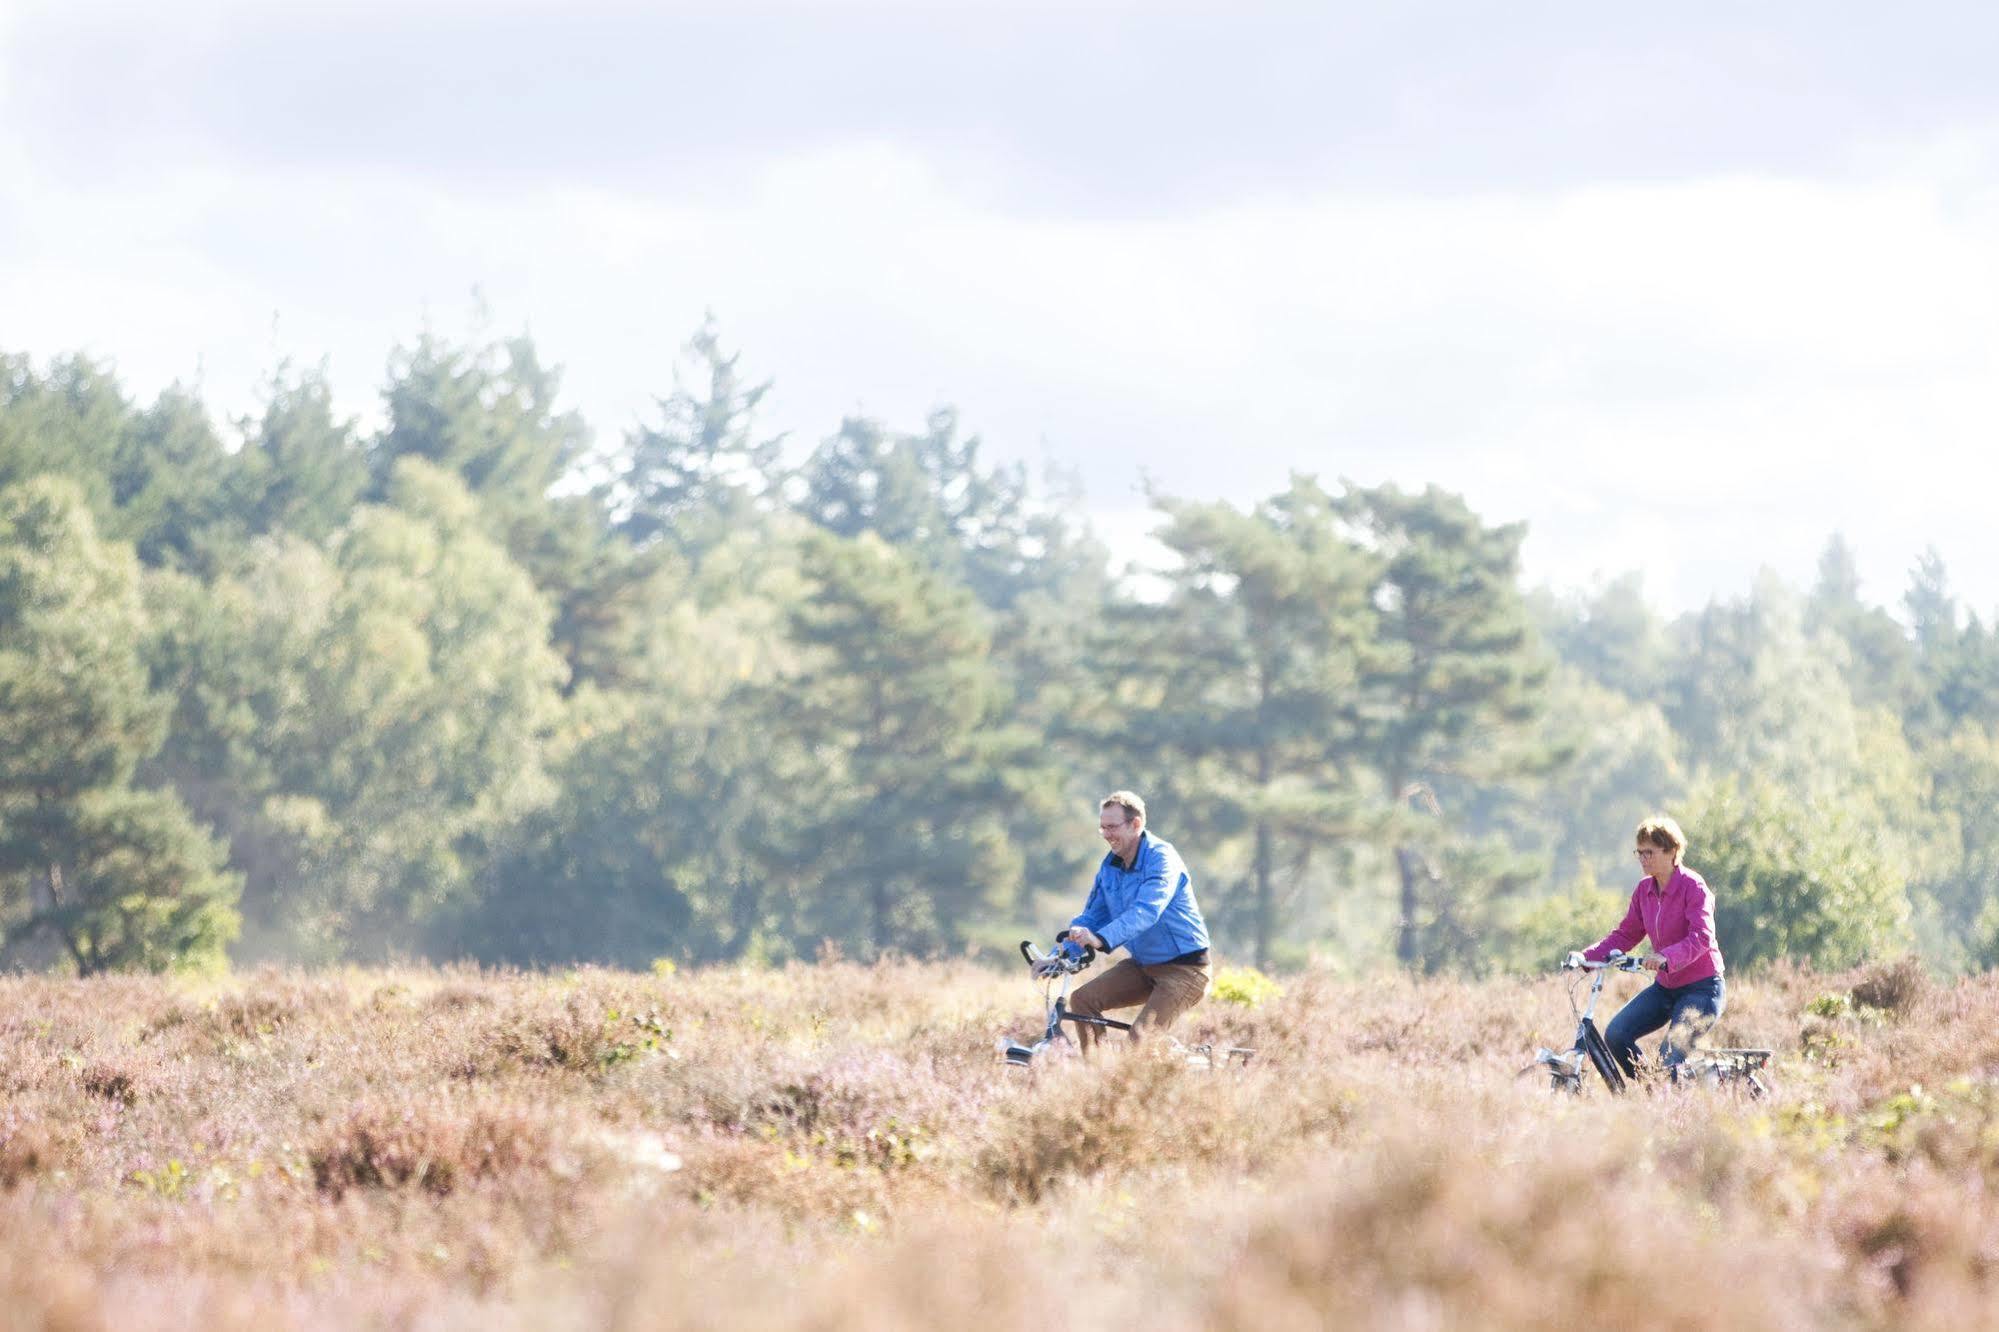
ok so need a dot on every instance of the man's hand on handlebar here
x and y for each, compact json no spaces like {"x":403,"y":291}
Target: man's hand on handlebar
{"x":1084,"y":936}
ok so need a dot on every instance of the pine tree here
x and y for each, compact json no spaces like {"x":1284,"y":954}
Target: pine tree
{"x":1458,"y":677}
{"x":121,"y":877}
{"x":703,"y":471}
{"x":899,"y":701}
{"x":301,"y":470}
{"x":1237,"y":708}
{"x":67,"y":422}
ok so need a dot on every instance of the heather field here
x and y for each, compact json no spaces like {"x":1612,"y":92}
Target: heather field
{"x":835,"y":1147}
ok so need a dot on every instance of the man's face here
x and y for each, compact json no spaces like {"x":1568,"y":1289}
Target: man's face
{"x":1119,"y":830}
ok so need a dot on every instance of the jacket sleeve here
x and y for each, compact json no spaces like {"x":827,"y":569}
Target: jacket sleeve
{"x":1699,"y":938}
{"x":1627,"y":934}
{"x":1095,"y":912}
{"x":1148,"y":904}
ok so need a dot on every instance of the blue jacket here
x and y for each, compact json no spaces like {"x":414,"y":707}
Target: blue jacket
{"x":1149,"y":908}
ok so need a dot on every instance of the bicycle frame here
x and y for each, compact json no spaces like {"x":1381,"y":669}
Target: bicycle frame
{"x":1565,"y":1068}
{"x":1055,"y":991}
{"x":1716,"y":1067}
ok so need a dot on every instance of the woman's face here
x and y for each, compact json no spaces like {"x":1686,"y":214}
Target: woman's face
{"x":1654,"y":860}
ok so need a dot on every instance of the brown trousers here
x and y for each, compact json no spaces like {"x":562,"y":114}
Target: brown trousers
{"x":1167,"y":991}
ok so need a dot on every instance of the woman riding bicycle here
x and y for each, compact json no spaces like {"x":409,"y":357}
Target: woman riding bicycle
{"x":1673,"y":907}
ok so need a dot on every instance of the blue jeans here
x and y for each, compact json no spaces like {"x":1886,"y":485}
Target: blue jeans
{"x":1686,"y":1011}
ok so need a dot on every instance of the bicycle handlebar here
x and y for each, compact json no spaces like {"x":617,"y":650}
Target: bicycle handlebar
{"x":1615,"y":962}
{"x":1069,"y":957}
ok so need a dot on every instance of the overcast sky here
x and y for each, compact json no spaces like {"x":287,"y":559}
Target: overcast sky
{"x":1686,"y":288}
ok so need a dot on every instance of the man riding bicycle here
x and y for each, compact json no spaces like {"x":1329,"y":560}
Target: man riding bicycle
{"x":1143,"y":901}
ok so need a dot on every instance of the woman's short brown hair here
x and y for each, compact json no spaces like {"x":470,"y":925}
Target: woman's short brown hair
{"x":1663,"y":833}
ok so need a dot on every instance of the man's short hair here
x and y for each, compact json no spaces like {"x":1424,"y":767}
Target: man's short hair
{"x":1665,"y":834}
{"x":1130,"y":802}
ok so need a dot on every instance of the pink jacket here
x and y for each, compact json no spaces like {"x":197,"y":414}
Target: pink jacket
{"x":1680,"y":923}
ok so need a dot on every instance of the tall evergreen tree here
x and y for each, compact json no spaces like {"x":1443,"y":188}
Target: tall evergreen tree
{"x":121,"y":877}
{"x":898,"y":698}
{"x":928,"y":493}
{"x":489,"y":414}
{"x":1612,"y":636}
{"x":704,"y":469}
{"x":66,"y":422}
{"x":171,"y":483}
{"x":1880,"y":665}
{"x":1239,"y":694}
{"x":1957,"y":655}
{"x":1458,"y":677}
{"x":303,"y":470}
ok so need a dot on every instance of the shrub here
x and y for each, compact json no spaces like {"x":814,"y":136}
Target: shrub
{"x":109,"y":1082}
{"x":1244,"y":985}
{"x":1893,"y":987}
{"x":1795,"y":880}
{"x":26,"y":1148}
{"x":436,"y":1146}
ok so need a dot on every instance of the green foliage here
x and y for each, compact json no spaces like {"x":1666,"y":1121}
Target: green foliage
{"x":927,"y":494}
{"x":460,"y":685}
{"x":1879,"y":660}
{"x":1624,"y":763}
{"x":703,"y":470}
{"x":145,"y":887}
{"x":1753,"y":693}
{"x":66,"y":422}
{"x":1610,"y":635}
{"x":661,"y":844}
{"x":173,"y":486}
{"x":898,"y":703}
{"x":364,"y":718}
{"x":121,"y":878}
{"x":1540,"y":932}
{"x":302,"y":470}
{"x":1458,"y":681}
{"x":73,"y":687}
{"x":1792,"y":879}
{"x":484,"y":413}
{"x":1245,"y":678}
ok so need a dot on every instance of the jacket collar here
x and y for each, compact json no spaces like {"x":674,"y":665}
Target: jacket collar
{"x":1672,"y":881}
{"x":1137,"y":854}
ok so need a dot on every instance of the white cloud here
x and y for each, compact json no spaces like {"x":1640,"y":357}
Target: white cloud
{"x":1692,"y":377}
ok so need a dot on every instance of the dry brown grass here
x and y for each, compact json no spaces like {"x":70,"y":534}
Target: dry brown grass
{"x":835,"y":1147}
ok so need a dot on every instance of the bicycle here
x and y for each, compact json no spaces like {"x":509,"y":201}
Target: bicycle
{"x":1055,"y":970}
{"x":1565,"y":1068}
{"x":1713,"y":1068}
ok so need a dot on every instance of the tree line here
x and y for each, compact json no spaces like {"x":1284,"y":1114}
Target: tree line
{"x":478,"y":684}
